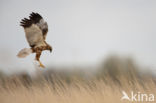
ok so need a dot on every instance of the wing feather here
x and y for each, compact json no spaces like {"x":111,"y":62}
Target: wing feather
{"x":34,"y":36}
{"x":39,"y":21}
{"x":35,"y":29}
{"x":26,"y":22}
{"x":35,"y":17}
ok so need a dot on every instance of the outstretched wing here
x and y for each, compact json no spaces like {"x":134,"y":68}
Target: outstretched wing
{"x":35,"y":30}
{"x":39,"y":21}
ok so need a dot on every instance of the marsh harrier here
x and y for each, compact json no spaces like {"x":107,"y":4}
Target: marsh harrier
{"x":35,"y":31}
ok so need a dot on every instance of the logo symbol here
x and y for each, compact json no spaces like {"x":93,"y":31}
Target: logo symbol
{"x":125,"y":96}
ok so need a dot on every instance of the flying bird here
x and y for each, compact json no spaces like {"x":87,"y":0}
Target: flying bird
{"x":35,"y":31}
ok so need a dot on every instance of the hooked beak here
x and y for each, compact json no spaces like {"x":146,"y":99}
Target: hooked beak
{"x":50,"y":49}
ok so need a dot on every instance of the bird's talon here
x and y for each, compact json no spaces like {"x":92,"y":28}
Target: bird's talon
{"x":41,"y":65}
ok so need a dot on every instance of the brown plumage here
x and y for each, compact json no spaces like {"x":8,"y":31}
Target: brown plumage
{"x":36,"y":31}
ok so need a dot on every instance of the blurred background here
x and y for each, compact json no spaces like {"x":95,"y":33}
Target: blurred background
{"x":83,"y":33}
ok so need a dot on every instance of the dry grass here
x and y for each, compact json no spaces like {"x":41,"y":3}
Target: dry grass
{"x":105,"y":86}
{"x":95,"y":91}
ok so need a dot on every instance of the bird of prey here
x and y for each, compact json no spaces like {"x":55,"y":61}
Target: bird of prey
{"x":35,"y":31}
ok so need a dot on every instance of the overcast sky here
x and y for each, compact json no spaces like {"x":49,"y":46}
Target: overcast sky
{"x":80,"y":31}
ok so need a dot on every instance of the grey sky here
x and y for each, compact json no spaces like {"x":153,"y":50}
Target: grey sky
{"x":80,"y":31}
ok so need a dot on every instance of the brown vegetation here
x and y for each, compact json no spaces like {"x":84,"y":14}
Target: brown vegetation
{"x":103,"y":86}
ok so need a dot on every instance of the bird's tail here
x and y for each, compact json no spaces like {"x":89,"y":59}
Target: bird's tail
{"x":24,"y":52}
